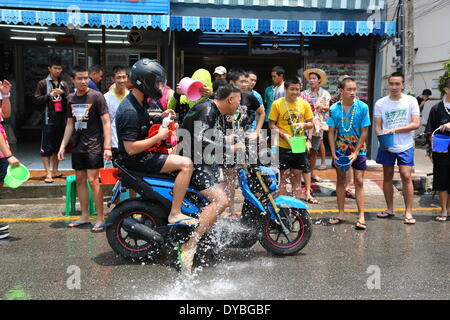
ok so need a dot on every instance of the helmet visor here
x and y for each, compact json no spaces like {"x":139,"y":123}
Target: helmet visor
{"x":160,"y":82}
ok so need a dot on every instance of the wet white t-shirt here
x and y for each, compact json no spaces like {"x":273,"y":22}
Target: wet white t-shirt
{"x":396,"y":114}
{"x":113,"y":102}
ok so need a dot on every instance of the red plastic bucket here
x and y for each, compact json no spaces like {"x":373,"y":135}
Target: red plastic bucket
{"x":108,"y":175}
{"x":58,"y":105}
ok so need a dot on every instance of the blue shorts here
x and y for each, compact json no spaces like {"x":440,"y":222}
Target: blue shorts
{"x":360,"y":163}
{"x":387,"y":158}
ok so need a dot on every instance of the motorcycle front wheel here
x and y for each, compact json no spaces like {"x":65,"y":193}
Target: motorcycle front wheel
{"x":275,"y":240}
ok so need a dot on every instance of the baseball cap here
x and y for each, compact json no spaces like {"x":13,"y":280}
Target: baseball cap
{"x":220,"y":70}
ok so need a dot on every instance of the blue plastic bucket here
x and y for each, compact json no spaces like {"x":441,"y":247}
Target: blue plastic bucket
{"x":386,"y":140}
{"x":440,"y":143}
{"x":343,"y":163}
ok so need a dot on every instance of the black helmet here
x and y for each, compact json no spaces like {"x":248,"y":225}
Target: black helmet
{"x":148,"y":76}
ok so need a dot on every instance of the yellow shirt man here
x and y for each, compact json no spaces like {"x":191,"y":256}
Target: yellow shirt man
{"x":287,"y":115}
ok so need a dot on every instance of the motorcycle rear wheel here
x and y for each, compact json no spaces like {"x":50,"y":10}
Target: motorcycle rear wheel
{"x":274,"y":240}
{"x":125,"y":244}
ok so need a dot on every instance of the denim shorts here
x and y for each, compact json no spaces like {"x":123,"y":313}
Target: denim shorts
{"x":315,"y":143}
{"x":387,"y":158}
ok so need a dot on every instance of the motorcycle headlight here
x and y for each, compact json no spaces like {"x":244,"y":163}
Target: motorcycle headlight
{"x":269,"y":178}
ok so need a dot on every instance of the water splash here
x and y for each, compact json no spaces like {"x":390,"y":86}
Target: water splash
{"x":192,"y":287}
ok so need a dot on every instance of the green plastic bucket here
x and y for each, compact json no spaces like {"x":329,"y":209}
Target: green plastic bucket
{"x":15,"y":176}
{"x":298,"y":144}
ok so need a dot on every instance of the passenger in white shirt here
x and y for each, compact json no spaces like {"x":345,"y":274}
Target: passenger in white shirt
{"x":114,"y":97}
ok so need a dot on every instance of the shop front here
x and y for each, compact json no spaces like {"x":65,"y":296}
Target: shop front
{"x":340,"y":37}
{"x":28,"y":37}
{"x":337,"y":35}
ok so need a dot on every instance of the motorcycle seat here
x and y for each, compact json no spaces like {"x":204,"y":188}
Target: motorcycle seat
{"x":166,"y":176}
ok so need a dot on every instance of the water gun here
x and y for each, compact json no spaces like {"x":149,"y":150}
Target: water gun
{"x":170,"y":142}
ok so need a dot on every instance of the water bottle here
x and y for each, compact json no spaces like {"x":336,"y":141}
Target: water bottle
{"x":166,"y":122}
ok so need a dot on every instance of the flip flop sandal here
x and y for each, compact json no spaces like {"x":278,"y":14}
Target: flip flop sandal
{"x":77,"y":224}
{"x":322,"y":168}
{"x":48,"y":180}
{"x":59,"y":176}
{"x":338,"y":219}
{"x":386,"y":214}
{"x":179,"y":222}
{"x":441,"y":218}
{"x":98,"y":228}
{"x":360,"y":226}
{"x":312,"y":200}
{"x":409,"y":219}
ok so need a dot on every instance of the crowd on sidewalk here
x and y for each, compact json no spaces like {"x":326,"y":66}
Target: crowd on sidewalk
{"x":100,"y":127}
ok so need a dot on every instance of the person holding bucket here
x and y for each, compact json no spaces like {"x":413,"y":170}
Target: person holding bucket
{"x":185,"y":96}
{"x":397,"y":115}
{"x":51,"y":96}
{"x":349,"y":124}
{"x":290,"y":117}
{"x":438,"y":132}
{"x":321,"y":105}
{"x":6,"y":156}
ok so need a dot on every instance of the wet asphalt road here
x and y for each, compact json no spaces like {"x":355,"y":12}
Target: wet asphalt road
{"x":388,"y":261}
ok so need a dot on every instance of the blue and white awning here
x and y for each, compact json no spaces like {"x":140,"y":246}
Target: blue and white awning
{"x":314,"y":4}
{"x":205,"y":24}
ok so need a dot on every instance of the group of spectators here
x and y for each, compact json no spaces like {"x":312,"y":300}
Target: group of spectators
{"x":97,"y":129}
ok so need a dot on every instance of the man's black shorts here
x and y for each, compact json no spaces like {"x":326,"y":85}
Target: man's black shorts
{"x":3,"y":168}
{"x":149,"y":162}
{"x":87,"y":161}
{"x":297,"y":161}
{"x":441,"y":172}
{"x":205,"y":177}
{"x":51,"y":139}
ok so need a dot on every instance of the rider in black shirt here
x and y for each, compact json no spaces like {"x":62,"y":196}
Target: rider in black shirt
{"x":133,"y":122}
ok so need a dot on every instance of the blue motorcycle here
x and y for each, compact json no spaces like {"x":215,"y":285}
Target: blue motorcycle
{"x":138,"y":229}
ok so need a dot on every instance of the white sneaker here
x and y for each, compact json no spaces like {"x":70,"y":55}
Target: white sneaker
{"x":4,"y":227}
{"x":4,"y":235}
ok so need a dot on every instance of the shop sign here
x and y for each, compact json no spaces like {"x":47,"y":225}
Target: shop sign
{"x":435,"y":84}
{"x":67,"y":38}
{"x":134,"y":37}
{"x":116,"y":6}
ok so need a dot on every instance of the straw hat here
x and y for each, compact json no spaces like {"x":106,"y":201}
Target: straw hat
{"x":320,"y":72}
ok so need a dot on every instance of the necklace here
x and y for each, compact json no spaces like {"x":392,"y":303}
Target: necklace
{"x":351,"y":121}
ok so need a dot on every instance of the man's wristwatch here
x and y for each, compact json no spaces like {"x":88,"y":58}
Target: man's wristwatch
{"x":6,"y":96}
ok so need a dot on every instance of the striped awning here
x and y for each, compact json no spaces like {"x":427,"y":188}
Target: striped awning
{"x":205,"y":24}
{"x":315,"y":4}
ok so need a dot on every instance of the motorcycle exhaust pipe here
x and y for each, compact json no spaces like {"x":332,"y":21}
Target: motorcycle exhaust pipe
{"x":142,"y":231}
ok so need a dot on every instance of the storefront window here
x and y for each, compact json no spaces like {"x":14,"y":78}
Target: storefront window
{"x":359,"y":69}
